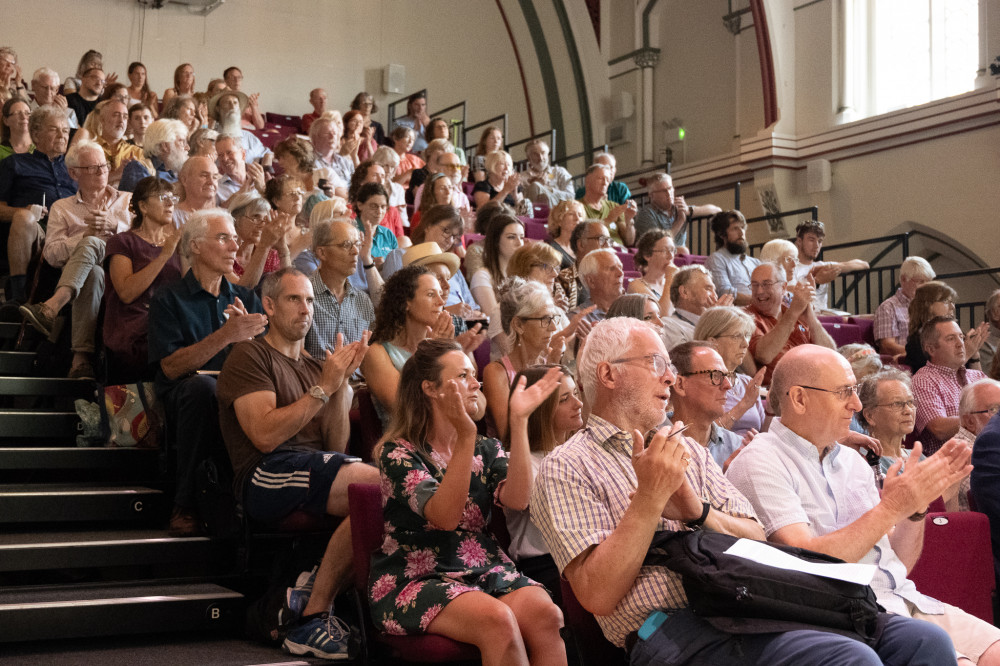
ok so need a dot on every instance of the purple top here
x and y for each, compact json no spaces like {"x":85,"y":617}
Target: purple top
{"x":126,"y":324}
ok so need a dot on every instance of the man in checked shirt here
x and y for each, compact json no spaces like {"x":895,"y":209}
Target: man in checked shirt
{"x":599,"y":498}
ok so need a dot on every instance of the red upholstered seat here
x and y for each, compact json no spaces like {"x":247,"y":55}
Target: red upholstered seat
{"x":593,"y":648}
{"x":842,"y":334}
{"x":365,"y":502}
{"x":627,"y":259}
{"x":956,"y":564}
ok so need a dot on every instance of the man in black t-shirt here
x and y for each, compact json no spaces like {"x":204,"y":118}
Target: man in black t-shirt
{"x":84,"y":100}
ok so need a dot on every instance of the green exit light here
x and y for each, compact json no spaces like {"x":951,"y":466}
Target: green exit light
{"x":680,"y":133}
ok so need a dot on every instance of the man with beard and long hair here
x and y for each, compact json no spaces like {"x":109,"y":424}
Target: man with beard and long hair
{"x":165,"y":144}
{"x":118,"y":151}
{"x":226,"y":109}
{"x":730,"y":265}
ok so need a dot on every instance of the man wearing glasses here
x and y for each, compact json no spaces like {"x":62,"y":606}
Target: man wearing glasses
{"x":78,"y":228}
{"x":599,"y":498}
{"x":586,"y":237}
{"x":699,"y":394}
{"x":29,"y":183}
{"x":811,"y":492}
{"x":692,"y":292}
{"x":193,"y":323}
{"x":780,"y":327}
{"x":118,"y":151}
{"x":669,"y":212}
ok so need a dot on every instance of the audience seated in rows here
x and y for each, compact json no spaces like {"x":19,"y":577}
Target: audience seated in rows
{"x":835,"y":507}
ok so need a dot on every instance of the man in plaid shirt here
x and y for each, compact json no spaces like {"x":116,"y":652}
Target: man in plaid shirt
{"x":599,"y":498}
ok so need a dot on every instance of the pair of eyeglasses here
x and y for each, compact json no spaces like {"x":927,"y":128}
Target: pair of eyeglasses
{"x":224,"y":239}
{"x":992,"y":411}
{"x":545,"y":321}
{"x":659,"y":361}
{"x":603,"y":241}
{"x":169,"y":197}
{"x":766,"y":284}
{"x":451,"y":167}
{"x":256,"y":219}
{"x":714,"y":376}
{"x":96,"y":169}
{"x":545,"y":267}
{"x":346,"y":245}
{"x":899,"y":405}
{"x":841,"y":393}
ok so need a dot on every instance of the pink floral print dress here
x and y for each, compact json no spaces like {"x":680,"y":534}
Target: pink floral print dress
{"x":421,"y":567}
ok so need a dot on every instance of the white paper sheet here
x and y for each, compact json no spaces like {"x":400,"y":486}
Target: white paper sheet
{"x":761,"y":553}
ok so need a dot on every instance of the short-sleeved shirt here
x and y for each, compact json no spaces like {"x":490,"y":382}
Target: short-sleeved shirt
{"x":126,"y":325}
{"x":581,"y":494}
{"x":487,"y":187}
{"x":350,"y":317}
{"x":651,"y":217}
{"x":617,"y":192}
{"x":753,"y":417}
{"x":254,"y":366}
{"x":81,"y":107}
{"x":821,"y":300}
{"x":892,"y":318}
{"x":787,"y":483}
{"x":936,"y":390}
{"x":603,"y":213}
{"x":253,"y":146}
{"x":30,"y":178}
{"x":764,"y":324}
{"x":731,"y":272}
{"x":182,"y":313}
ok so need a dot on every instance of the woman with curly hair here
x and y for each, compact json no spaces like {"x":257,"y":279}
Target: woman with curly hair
{"x":453,"y":580}
{"x":411,"y":309}
{"x":562,"y":221}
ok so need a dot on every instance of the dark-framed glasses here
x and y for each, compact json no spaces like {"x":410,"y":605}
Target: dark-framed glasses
{"x":714,"y":376}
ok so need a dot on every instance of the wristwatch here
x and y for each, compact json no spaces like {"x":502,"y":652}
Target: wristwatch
{"x":698,"y":522}
{"x":318,"y":393}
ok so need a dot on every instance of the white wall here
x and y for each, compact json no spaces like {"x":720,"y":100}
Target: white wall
{"x":287,"y":47}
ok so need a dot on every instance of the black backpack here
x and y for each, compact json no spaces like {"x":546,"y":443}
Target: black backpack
{"x":741,"y":596}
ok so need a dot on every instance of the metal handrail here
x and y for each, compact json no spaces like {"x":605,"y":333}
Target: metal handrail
{"x":812,"y":210}
{"x":488,"y":121}
{"x":393,"y":105}
{"x":455,"y":124}
{"x":549,"y":134}
{"x":562,"y":161}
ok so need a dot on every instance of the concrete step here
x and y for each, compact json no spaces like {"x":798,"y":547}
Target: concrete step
{"x":56,"y":503}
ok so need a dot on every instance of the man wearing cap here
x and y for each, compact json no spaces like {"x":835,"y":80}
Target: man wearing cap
{"x":226,"y":108}
{"x":339,"y":307}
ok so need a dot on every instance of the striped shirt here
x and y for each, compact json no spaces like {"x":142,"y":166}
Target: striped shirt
{"x":788,"y":483}
{"x":581,"y":494}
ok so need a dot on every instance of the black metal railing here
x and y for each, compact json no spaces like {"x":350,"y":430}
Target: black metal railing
{"x":393,"y":105}
{"x":699,"y":233}
{"x":456,"y":124}
{"x":858,"y":290}
{"x":489,"y":121}
{"x":970,"y":312}
{"x":773,"y":218}
{"x":521,"y":164}
{"x":584,"y":155}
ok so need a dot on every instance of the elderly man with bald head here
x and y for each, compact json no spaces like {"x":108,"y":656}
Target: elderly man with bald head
{"x":199,"y":178}
{"x":811,"y":492}
{"x":781,"y":327}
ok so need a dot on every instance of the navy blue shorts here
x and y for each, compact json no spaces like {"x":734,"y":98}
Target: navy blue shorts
{"x":290,"y":481}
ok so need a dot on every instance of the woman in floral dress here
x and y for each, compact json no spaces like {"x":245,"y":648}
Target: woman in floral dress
{"x":438,"y":570}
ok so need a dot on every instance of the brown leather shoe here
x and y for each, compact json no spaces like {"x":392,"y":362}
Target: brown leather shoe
{"x":184,"y":523}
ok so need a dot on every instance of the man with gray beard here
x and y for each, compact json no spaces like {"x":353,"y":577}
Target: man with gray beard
{"x":118,"y":151}
{"x":226,"y":109}
{"x":165,"y":145}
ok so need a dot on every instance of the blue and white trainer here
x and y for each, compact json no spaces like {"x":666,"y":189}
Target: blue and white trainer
{"x":325,"y":636}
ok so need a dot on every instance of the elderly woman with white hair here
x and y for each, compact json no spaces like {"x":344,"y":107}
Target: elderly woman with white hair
{"x":165,"y":144}
{"x":530,"y":319}
{"x":892,"y":317}
{"x":730,"y":328}
{"x":502,"y":183}
{"x":261,"y":232}
{"x":388,"y":159}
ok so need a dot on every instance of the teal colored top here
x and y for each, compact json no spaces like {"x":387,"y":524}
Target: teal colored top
{"x":398,"y":356}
